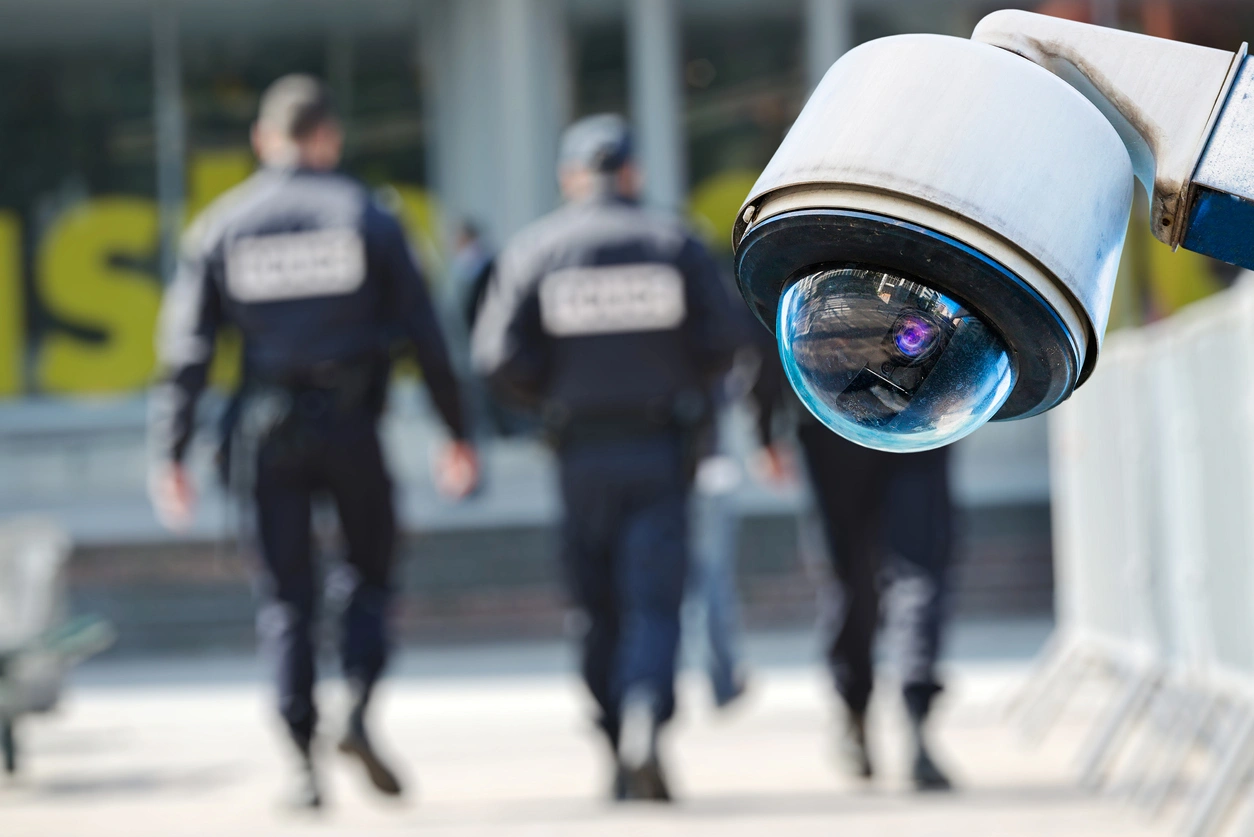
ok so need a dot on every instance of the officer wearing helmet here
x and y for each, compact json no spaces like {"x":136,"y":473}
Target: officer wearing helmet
{"x":320,"y":283}
{"x":613,"y":323}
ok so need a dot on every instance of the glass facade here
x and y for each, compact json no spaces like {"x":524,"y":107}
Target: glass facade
{"x":80,"y":284}
{"x":745,"y":83}
{"x":598,"y":57}
{"x":374,"y":75}
{"x":78,"y":226}
{"x":79,"y":221}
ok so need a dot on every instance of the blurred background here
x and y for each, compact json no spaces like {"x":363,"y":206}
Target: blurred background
{"x":121,"y":119}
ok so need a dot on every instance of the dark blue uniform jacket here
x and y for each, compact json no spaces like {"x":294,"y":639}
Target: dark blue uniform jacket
{"x":604,"y":309}
{"x":314,"y":275}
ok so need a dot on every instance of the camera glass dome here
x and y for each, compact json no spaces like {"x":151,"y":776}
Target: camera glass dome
{"x":890,"y":363}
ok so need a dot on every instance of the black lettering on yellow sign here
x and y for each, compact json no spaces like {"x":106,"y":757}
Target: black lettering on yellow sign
{"x":85,"y":279}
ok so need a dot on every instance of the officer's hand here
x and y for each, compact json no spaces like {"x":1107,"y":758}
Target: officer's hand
{"x":173,"y":498}
{"x":457,"y":471}
{"x":775,"y":465}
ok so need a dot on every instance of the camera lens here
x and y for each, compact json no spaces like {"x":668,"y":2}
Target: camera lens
{"x":888,"y":362}
{"x":916,"y":337}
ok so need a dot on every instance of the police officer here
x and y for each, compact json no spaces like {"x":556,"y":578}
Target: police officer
{"x":888,"y":520}
{"x":614,"y":323}
{"x":319,"y":282}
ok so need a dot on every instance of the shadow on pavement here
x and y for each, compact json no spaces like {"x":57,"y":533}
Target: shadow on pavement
{"x":199,"y":781}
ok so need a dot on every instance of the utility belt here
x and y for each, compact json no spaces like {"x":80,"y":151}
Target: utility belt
{"x":332,"y":389}
{"x":686,"y":417}
{"x":593,"y":429}
{"x":293,"y":410}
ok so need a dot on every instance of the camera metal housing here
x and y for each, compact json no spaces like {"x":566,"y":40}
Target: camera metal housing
{"x":963,"y":166}
{"x":999,"y":172}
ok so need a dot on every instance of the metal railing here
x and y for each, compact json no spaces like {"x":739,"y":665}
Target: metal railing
{"x":1152,"y":464}
{"x":38,"y":639}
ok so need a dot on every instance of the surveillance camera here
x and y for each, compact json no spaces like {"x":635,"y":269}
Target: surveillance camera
{"x":936,"y":240}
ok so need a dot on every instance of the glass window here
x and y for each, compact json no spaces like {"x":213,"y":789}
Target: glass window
{"x":598,"y":46}
{"x":369,"y":62}
{"x":79,"y":284}
{"x":78,"y":228}
{"x":744,"y":80}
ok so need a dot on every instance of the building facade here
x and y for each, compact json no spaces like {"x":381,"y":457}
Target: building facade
{"x":121,"y":119}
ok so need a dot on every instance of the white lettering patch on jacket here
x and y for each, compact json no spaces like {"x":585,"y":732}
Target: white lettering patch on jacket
{"x":580,"y":301}
{"x":268,"y":268}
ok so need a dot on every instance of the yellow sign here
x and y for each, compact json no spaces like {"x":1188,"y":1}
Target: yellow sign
{"x":715,"y":202}
{"x":11,"y":309}
{"x":86,"y":277}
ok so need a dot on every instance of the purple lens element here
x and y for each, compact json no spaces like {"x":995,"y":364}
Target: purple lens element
{"x":915,"y":335}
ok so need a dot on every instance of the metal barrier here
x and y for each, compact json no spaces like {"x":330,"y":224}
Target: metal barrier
{"x":1152,"y":465}
{"x":38,"y":643}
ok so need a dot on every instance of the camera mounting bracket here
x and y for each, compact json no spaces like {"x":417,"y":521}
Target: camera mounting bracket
{"x":1162,"y":97}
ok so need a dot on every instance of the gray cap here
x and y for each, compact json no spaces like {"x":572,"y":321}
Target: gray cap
{"x":295,"y":105}
{"x":597,"y":143}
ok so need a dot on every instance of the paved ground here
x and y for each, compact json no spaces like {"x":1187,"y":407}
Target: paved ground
{"x":497,"y":741}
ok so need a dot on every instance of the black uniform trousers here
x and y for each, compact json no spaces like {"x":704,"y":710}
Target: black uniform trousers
{"x":625,"y":555}
{"x":888,"y":519}
{"x":317,"y":452}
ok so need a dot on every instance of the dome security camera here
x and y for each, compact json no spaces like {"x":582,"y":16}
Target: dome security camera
{"x":936,"y":240}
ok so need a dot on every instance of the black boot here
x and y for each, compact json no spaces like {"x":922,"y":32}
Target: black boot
{"x":925,"y":773}
{"x":852,"y":747}
{"x":639,"y":770}
{"x":356,"y":743}
{"x":618,"y":791}
{"x":306,"y":790}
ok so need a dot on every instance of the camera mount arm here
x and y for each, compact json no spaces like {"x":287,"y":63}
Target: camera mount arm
{"x":1185,"y":114}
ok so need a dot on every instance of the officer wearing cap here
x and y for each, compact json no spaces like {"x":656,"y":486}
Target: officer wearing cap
{"x":320,"y":283}
{"x":614,"y":323}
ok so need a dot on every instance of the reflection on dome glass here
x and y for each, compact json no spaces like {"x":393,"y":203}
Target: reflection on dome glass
{"x":888,"y":362}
